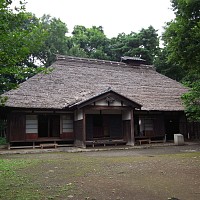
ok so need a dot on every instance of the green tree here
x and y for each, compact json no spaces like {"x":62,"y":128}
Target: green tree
{"x":149,"y":44}
{"x":183,"y":33}
{"x":18,"y":39}
{"x":192,"y":101}
{"x":168,"y":68}
{"x":182,"y":38}
{"x":144,"y":44}
{"x":89,"y":42}
{"x":54,"y":42}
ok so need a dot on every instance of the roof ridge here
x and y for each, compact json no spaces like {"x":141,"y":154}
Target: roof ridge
{"x":98,"y":61}
{"x":72,"y":58}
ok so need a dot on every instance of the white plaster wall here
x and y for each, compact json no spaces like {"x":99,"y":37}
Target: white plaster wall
{"x":116,"y":103}
{"x":101,"y":103}
{"x":111,"y":112}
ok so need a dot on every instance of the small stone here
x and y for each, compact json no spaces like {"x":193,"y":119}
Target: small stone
{"x":70,"y":196}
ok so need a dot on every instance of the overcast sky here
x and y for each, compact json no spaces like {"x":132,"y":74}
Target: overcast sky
{"x":115,"y":16}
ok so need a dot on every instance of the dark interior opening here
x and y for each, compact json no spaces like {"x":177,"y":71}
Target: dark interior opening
{"x":104,"y":126}
{"x":42,"y":126}
{"x":98,"y":129}
{"x":48,"y":126}
{"x":171,"y":128}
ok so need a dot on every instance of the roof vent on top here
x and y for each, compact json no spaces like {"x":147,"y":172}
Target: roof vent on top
{"x":133,"y":60}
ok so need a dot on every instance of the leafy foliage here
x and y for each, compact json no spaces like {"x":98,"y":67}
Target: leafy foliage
{"x":168,"y":68}
{"x":18,"y":39}
{"x":3,"y":141}
{"x":92,"y":43}
{"x":182,"y":34}
{"x":144,"y":44}
{"x":182,"y":51}
{"x":89,"y":42}
{"x":54,"y":42}
{"x":192,"y":102}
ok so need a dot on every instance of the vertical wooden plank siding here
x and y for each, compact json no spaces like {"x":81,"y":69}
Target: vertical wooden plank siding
{"x":89,"y":127}
{"x":17,"y":127}
{"x":193,"y":129}
{"x":78,"y":129}
{"x":132,"y":129}
{"x":126,"y":130}
{"x":67,"y":127}
{"x":159,"y":126}
{"x":84,"y":129}
{"x":183,"y":127}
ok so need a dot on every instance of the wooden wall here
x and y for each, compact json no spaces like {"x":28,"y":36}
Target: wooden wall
{"x":193,"y":128}
{"x":16,"y":127}
{"x":152,"y":125}
{"x":126,"y":129}
{"x":190,"y":130}
{"x":111,"y":126}
{"x":24,"y":127}
{"x":78,"y":130}
{"x":159,"y":126}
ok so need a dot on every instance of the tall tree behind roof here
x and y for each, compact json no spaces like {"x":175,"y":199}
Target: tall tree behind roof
{"x":144,"y":44}
{"x":181,"y":39}
{"x":17,"y":40}
{"x":182,"y":35}
{"x":92,"y":41}
{"x":55,"y":41}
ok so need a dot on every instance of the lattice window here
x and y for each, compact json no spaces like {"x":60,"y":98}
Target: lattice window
{"x":67,"y":123}
{"x":31,"y":124}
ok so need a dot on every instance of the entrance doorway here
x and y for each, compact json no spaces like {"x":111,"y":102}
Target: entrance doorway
{"x":48,"y":126}
{"x":103,"y":126}
{"x":100,"y":126}
{"x":171,"y":128}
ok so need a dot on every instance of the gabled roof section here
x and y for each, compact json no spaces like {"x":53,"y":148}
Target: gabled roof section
{"x":107,"y":94}
{"x":75,"y":80}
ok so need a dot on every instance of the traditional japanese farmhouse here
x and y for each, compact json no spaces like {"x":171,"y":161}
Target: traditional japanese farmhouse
{"x":84,"y":102}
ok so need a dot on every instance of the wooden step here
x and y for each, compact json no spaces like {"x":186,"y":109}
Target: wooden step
{"x":48,"y":145}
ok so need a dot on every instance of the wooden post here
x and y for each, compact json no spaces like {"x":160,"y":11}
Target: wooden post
{"x":33,"y":144}
{"x":9,"y":146}
{"x":84,"y":129}
{"x":132,"y":128}
{"x":131,"y":136}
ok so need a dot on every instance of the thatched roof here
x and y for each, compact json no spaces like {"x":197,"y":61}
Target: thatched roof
{"x":75,"y":80}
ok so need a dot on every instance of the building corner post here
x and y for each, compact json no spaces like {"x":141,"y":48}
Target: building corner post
{"x":131,"y":137}
{"x":84,"y":130}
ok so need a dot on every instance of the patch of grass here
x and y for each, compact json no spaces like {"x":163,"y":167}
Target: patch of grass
{"x":25,"y":180}
{"x":11,"y":183}
{"x":79,"y":175}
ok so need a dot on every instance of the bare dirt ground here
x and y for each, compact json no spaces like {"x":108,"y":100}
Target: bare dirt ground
{"x":157,"y":173}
